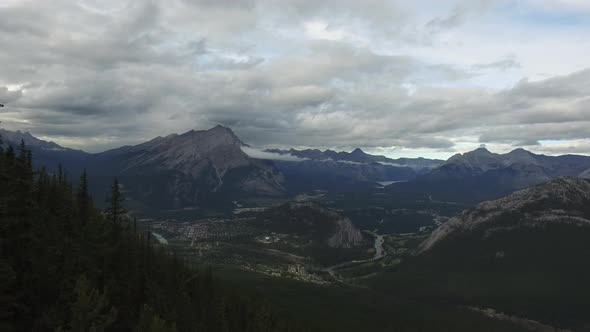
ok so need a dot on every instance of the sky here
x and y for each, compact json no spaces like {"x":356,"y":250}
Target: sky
{"x":398,"y":78}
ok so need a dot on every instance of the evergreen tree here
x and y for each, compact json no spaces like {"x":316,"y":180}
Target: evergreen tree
{"x":59,"y":256}
{"x":149,"y":321}
{"x":115,"y":211}
{"x":90,"y":312}
{"x":83,"y":199}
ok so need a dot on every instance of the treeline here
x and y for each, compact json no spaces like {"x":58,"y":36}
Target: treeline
{"x":66,"y":266}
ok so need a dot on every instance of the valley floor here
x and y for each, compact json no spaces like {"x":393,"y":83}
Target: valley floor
{"x":377,"y":287}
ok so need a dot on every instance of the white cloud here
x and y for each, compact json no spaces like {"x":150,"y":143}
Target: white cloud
{"x":259,"y":154}
{"x":336,"y":73}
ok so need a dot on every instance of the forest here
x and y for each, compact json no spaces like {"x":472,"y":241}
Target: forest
{"x":67,"y":266}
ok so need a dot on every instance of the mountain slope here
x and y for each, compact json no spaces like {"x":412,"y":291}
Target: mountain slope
{"x":323,"y":235}
{"x":179,"y":170}
{"x":565,"y":201}
{"x":333,"y":175}
{"x":481,"y":175}
{"x":524,"y":254}
{"x":325,"y":226}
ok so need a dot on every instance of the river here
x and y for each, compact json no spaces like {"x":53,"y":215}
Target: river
{"x":379,"y":253}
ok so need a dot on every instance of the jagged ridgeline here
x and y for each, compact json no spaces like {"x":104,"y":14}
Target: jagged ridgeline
{"x":526,"y":253}
{"x":66,"y":266}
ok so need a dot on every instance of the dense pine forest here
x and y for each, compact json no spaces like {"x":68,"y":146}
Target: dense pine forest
{"x":67,"y":266}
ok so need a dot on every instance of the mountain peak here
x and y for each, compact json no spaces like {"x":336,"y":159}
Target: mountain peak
{"x":481,"y":151}
{"x":520,"y":151}
{"x":218,"y":134}
{"x":474,"y":156}
{"x":221,"y":128}
{"x":358,"y":151}
{"x":15,"y":137}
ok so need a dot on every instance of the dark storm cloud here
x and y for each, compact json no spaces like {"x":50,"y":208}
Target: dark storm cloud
{"x":109,"y":73}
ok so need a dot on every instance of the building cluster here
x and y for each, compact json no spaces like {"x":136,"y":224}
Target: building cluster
{"x":209,"y":231}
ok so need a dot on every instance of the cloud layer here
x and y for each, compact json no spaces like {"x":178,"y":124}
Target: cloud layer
{"x":392,"y":77}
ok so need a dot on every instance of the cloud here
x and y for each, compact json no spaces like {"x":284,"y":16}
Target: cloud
{"x":459,"y":14}
{"x":259,"y":154}
{"x":507,"y":63}
{"x":9,"y":95}
{"x":330,"y":74}
{"x":560,"y":5}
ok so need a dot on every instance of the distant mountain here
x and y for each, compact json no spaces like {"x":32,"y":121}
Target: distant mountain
{"x":359,"y":156}
{"x":481,"y":175}
{"x":180,"y":170}
{"x":47,"y":154}
{"x":543,"y":167}
{"x":330,"y":170}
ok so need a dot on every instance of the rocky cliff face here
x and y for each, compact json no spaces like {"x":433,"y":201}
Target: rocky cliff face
{"x":564,"y":201}
{"x":308,"y":219}
{"x":346,"y":235}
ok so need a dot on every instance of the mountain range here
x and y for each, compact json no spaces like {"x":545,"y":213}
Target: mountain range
{"x":331,"y":170}
{"x":359,"y":156}
{"x":211,"y":166}
{"x":481,"y":175}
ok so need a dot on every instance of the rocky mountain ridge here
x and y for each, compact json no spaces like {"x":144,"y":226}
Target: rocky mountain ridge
{"x":331,"y":170}
{"x":481,"y":175}
{"x":324,"y":225}
{"x":565,"y":200}
{"x":359,"y":156}
{"x":481,"y":160}
{"x":31,"y":141}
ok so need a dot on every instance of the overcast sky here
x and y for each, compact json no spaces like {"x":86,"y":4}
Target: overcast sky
{"x":400,"y":78}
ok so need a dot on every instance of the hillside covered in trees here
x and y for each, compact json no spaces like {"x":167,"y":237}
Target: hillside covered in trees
{"x":66,"y":266}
